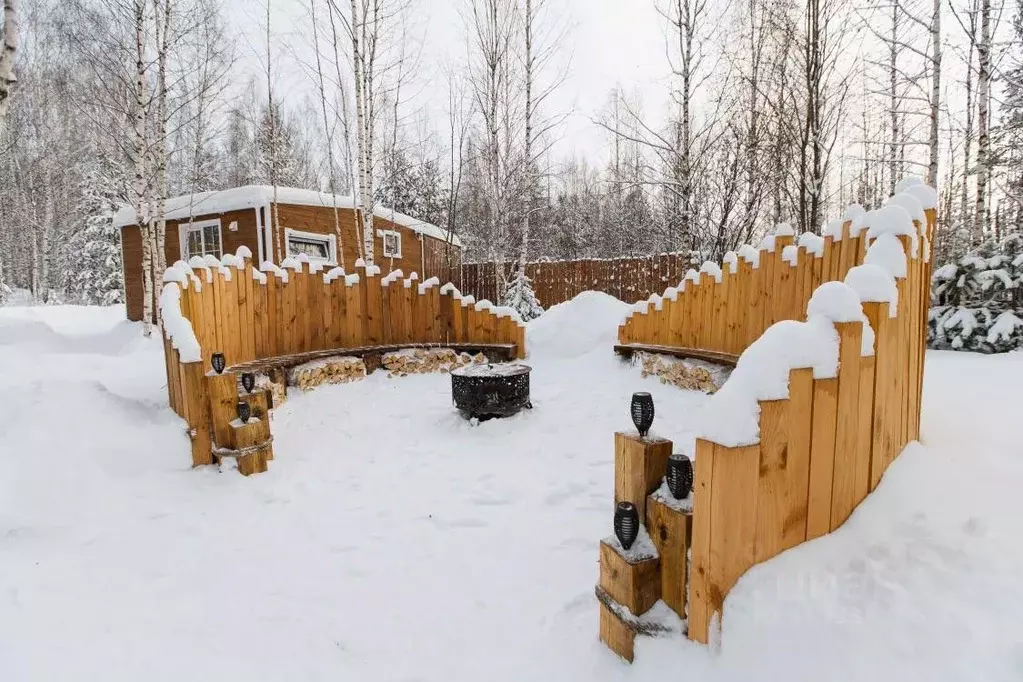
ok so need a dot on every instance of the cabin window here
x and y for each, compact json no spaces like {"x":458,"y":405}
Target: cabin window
{"x":318,"y":247}
{"x":201,"y":238}
{"x":392,"y":243}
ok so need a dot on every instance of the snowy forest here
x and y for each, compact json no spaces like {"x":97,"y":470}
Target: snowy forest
{"x":772,"y":112}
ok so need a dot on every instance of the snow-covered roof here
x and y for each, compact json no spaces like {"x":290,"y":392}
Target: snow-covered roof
{"x":253,"y":196}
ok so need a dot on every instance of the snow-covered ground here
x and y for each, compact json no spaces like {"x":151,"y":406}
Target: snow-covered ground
{"x":392,"y":541}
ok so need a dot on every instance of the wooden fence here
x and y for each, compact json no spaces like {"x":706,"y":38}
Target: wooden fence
{"x":628,"y":279}
{"x":775,"y":470}
{"x":247,"y":314}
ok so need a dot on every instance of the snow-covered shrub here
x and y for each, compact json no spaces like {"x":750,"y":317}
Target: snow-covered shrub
{"x":976,"y":300}
{"x":519,"y":296}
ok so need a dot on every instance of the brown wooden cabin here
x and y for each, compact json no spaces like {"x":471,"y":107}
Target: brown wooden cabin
{"x":219,"y":222}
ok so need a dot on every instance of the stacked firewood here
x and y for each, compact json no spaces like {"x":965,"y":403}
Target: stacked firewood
{"x":692,"y":375}
{"x":334,"y":370}
{"x":278,"y":391}
{"x":422,"y":360}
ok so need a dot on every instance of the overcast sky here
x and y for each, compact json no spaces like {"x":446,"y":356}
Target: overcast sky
{"x":606,"y":42}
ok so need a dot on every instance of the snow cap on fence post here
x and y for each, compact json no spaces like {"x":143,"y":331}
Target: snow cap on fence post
{"x":732,"y":261}
{"x":177,"y":327}
{"x":267,"y":266}
{"x":731,"y":416}
{"x":895,"y":220}
{"x":712,"y":269}
{"x":874,"y":284}
{"x":833,"y":229}
{"x":887,"y":252}
{"x":853,"y":211}
{"x":839,"y":302}
{"x":749,"y":254}
{"x":812,"y":243}
{"x":925,"y":194}
{"x":907,"y":182}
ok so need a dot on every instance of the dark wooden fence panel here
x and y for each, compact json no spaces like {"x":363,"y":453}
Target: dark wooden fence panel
{"x":628,"y":279}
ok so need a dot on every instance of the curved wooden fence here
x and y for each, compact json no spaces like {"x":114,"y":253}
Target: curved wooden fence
{"x":826,"y":392}
{"x":248,"y":314}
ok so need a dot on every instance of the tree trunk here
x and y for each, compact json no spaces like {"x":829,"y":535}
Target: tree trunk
{"x":7,"y":48}
{"x":983,"y":141}
{"x":528,"y":142}
{"x":139,"y":185}
{"x":362,"y":141}
{"x":933,"y":140}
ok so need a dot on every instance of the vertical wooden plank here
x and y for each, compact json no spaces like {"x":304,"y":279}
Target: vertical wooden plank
{"x":197,"y":413}
{"x":797,"y":476}
{"x":878,"y":316}
{"x":259,"y":316}
{"x":773,"y":454}
{"x":353,"y":313}
{"x":317,"y":321}
{"x":864,"y":429}
{"x":843,"y":488}
{"x":435,"y":331}
{"x":374,"y":307}
{"x":734,"y":507}
{"x":822,"y":457}
{"x":699,"y":576}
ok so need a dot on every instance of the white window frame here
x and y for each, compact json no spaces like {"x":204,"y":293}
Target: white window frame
{"x":329,"y":239}
{"x":383,"y":242}
{"x":185,"y":228}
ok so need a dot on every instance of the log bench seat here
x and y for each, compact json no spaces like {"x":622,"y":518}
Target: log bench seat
{"x":627,"y":350}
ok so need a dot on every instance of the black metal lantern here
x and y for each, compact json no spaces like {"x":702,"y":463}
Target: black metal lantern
{"x":244,"y":411}
{"x":626,"y":523}
{"x":218,"y":363}
{"x":679,"y":475}
{"x":248,"y":381}
{"x":642,"y":412}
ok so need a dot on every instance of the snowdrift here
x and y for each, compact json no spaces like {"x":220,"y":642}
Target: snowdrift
{"x":586,"y":323}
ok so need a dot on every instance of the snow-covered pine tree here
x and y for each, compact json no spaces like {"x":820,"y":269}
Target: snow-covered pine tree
{"x":276,"y":156}
{"x":975,"y":302}
{"x":519,"y":295}
{"x":93,"y":253}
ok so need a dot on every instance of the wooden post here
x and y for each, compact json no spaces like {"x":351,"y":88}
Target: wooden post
{"x":822,"y":457}
{"x":843,"y":487}
{"x":197,"y":412}
{"x":374,"y":307}
{"x":250,"y":434}
{"x":639,"y":467}
{"x":733,"y":521}
{"x":618,"y":634}
{"x":669,"y":523}
{"x":699,"y":577}
{"x":223,"y":396}
{"x":632,"y":579}
{"x":785,"y":436}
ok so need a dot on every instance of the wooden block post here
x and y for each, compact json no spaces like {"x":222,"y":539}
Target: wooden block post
{"x":632,"y":579}
{"x":259,"y":402}
{"x":669,"y":523}
{"x":223,"y":392}
{"x":617,"y":633}
{"x":639,"y":467}
{"x":251,"y":434}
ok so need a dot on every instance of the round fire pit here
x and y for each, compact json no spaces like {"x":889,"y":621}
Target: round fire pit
{"x":486,"y":391}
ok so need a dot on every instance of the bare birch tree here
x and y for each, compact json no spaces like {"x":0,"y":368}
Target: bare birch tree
{"x":7,"y":49}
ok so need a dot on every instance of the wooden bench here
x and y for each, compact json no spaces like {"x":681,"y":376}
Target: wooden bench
{"x":627,"y":350}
